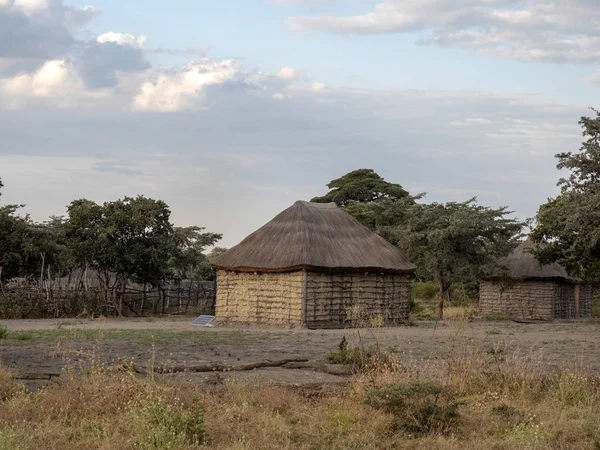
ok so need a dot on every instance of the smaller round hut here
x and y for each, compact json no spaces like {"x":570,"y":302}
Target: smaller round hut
{"x":534,"y":291}
{"x":312,"y":266}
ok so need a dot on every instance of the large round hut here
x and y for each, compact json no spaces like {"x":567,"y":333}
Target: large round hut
{"x":312,"y":265}
{"x":534,"y":291}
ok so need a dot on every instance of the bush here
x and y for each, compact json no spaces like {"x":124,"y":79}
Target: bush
{"x":3,"y":332}
{"x":358,"y":358}
{"x":424,"y":290}
{"x":419,"y":407}
{"x":169,"y":426}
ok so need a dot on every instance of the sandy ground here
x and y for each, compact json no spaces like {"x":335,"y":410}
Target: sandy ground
{"x":48,"y":346}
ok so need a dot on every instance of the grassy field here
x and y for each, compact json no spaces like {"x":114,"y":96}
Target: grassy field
{"x":62,"y":334}
{"x":477,"y":395}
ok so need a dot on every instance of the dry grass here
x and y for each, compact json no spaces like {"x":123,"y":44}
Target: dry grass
{"x":428,"y":310}
{"x":502,"y":401}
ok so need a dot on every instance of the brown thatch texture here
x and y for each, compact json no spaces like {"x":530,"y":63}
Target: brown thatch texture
{"x":314,"y":236}
{"x":522,"y":264}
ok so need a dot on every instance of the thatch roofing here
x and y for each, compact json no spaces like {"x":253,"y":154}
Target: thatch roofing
{"x":314,"y":236}
{"x":522,"y":264}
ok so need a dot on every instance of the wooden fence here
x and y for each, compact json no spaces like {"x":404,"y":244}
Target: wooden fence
{"x":23,"y":299}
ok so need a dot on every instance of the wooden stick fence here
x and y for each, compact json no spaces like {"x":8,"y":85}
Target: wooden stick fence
{"x":23,"y":298}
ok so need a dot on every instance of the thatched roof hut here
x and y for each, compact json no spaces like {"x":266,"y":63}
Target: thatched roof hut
{"x":308,"y":266}
{"x":314,"y":236}
{"x":533,"y":290}
{"x":522,"y":264}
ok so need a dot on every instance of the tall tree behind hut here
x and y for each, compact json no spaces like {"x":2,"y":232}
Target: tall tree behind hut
{"x":451,"y":243}
{"x":570,"y":223}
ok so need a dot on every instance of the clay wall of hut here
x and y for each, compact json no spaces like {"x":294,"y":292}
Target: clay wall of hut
{"x":260,"y":298}
{"x":331,"y":300}
{"x":347,"y":299}
{"x":534,"y":299}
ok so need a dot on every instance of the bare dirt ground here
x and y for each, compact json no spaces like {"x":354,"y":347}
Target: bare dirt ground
{"x":51,"y":346}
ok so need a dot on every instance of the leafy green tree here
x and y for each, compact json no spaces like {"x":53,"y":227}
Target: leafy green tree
{"x":45,"y":250}
{"x":13,"y":232}
{"x":130,"y":239}
{"x":570,"y":223}
{"x":452,"y":243}
{"x":215,"y":253}
{"x":363,"y":186}
{"x":188,"y":260}
{"x":456,"y":242}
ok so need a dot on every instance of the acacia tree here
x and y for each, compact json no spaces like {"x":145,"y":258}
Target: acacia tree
{"x":450,"y":243}
{"x":570,"y":223}
{"x":362,"y":186}
{"x":456,"y":241}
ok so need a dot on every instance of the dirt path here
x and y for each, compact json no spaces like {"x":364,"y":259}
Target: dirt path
{"x":50,"y":345}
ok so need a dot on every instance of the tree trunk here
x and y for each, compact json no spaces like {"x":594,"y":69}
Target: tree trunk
{"x":43,"y":255}
{"x":441,"y":303}
{"x":122,"y":296}
{"x":143,"y":299}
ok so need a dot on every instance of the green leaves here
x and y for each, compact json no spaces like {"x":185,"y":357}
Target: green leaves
{"x":570,"y":223}
{"x":362,"y":186}
{"x":454,"y":242}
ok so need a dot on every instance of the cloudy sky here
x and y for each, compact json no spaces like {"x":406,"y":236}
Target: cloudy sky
{"x":231,"y":110}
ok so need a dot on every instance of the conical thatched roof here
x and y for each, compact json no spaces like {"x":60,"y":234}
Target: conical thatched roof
{"x":314,"y":236}
{"x":522,"y":264}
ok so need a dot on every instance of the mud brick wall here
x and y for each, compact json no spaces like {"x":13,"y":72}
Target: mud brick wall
{"x":526,"y":299}
{"x":260,"y":298}
{"x":330,"y":298}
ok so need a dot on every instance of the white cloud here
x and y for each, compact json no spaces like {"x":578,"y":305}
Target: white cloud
{"x":186,"y":90}
{"x":593,"y":79}
{"x":122,"y":39}
{"x":538,"y":30}
{"x":470,"y":122}
{"x":189,"y":89}
{"x":289,"y":74}
{"x":31,"y":6}
{"x":55,"y":82}
{"x":318,"y":87}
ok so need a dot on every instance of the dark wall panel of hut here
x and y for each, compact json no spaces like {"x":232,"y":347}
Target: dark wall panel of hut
{"x":345,"y":300}
{"x":585,"y":300}
{"x":531,"y":299}
{"x":564,"y":301}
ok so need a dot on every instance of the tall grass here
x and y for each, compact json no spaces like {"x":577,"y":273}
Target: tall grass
{"x":474,"y":399}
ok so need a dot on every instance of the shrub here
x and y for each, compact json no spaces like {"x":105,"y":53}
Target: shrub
{"x":3,"y":332}
{"x":424,"y":290}
{"x":169,"y":426}
{"x":419,"y":407}
{"x":358,"y":358}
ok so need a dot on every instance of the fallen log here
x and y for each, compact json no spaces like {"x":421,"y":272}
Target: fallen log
{"x":34,"y":376}
{"x":211,"y":367}
{"x":315,"y":366}
{"x":530,"y":321}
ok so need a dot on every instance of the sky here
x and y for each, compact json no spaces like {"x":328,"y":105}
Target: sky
{"x":232,"y":110}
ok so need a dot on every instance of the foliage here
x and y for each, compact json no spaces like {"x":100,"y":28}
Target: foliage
{"x":362,"y":186}
{"x":569,"y":222}
{"x":3,"y":332}
{"x":188,"y":260}
{"x":130,"y":239}
{"x":453,"y":244}
{"x":424,"y":290}
{"x":419,"y":406}
{"x":13,"y":232}
{"x":457,"y":241}
{"x":356,"y":357}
